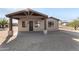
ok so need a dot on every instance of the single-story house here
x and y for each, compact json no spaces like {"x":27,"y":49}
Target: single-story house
{"x":31,"y":20}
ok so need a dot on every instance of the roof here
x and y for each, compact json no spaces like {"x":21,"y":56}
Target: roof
{"x":65,"y":22}
{"x":54,"y":18}
{"x":28,"y":10}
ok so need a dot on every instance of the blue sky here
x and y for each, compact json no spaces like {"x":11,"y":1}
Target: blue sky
{"x":65,"y":14}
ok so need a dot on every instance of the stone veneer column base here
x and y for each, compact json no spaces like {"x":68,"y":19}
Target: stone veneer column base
{"x":45,"y":32}
{"x":10,"y":33}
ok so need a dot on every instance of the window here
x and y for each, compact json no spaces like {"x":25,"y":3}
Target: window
{"x":50,"y":24}
{"x":23,"y":23}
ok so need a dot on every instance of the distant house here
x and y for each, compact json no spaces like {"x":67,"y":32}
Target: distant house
{"x":31,"y":20}
{"x":64,"y":23}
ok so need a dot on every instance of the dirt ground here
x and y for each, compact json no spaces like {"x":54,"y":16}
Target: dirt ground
{"x":66,"y":28}
{"x":37,"y":41}
{"x":62,"y":40}
{"x":4,"y":33}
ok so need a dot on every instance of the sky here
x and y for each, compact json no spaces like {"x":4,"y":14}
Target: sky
{"x":64,"y":14}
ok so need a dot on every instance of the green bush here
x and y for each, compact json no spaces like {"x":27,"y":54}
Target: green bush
{"x":74,"y":24}
{"x":3,"y":22}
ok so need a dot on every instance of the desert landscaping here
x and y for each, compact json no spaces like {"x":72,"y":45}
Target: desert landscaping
{"x":4,"y":33}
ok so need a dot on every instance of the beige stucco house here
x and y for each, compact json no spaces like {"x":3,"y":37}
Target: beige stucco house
{"x":30,"y":20}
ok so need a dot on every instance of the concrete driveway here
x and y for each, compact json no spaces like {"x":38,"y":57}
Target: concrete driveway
{"x":37,"y":41}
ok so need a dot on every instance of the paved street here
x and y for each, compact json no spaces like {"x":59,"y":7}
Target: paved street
{"x":37,"y":41}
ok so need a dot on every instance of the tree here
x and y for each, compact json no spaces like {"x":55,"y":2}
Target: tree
{"x":3,"y":22}
{"x":74,"y":23}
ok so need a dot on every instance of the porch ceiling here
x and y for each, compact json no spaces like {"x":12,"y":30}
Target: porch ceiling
{"x":26,"y":13}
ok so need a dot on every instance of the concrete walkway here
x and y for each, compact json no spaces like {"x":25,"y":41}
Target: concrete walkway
{"x":37,"y":41}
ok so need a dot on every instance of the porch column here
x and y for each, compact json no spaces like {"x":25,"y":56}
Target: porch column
{"x":45,"y":26}
{"x":10,"y":32}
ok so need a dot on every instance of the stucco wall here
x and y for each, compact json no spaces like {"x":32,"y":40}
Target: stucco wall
{"x":40,"y":28}
{"x":26,"y":28}
{"x":54,"y":27}
{"x":20,"y":28}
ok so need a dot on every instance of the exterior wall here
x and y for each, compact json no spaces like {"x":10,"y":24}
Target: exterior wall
{"x":20,"y":28}
{"x":40,"y":28}
{"x":26,"y":28}
{"x":54,"y":27}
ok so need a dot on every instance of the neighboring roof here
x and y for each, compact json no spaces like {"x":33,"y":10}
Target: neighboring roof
{"x":54,"y":18}
{"x":65,"y":22}
{"x":26,"y":10}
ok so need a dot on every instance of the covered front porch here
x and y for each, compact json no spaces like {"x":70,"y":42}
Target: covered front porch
{"x":27,"y":19}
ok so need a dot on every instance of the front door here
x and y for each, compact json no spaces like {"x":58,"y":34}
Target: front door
{"x":30,"y":25}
